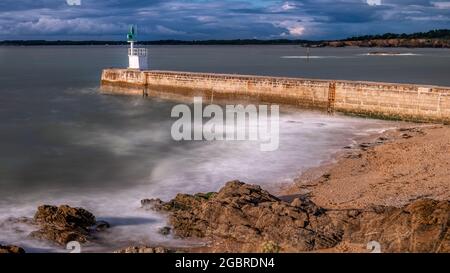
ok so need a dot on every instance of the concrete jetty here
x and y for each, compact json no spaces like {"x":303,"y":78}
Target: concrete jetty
{"x":411,"y":102}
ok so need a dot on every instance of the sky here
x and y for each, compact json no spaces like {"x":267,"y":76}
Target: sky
{"x":217,"y":19}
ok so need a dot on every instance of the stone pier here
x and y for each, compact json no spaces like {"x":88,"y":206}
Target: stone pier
{"x":409,"y":102}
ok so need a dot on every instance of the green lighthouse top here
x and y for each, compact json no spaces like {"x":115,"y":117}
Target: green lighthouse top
{"x":132,"y":33}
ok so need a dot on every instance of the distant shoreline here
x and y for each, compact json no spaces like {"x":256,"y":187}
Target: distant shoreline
{"x":432,"y":39}
{"x":437,"y":43}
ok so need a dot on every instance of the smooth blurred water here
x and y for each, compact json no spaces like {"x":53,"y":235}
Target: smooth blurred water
{"x":62,"y":142}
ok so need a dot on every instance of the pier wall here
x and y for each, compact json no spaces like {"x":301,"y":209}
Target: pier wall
{"x":384,"y":100}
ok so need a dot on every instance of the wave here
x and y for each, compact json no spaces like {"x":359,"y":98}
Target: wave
{"x":390,"y":54}
{"x":307,"y":139}
{"x":315,"y":57}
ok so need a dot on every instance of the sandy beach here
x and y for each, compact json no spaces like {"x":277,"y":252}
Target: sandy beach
{"x":391,"y":169}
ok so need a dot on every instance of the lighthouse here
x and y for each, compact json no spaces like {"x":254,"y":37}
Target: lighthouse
{"x":137,"y":57}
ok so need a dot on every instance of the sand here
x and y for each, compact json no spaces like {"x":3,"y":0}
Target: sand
{"x":392,"y":168}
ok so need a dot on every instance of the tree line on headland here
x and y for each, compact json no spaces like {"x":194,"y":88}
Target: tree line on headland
{"x":434,"y":38}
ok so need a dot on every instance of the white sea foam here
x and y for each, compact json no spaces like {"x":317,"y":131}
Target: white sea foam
{"x":307,"y":139}
{"x":316,"y":57}
{"x":390,"y":54}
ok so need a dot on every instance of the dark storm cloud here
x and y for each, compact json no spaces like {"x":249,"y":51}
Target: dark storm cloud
{"x":218,"y":19}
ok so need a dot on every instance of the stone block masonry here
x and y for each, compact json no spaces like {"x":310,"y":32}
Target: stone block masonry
{"x":382,"y":100}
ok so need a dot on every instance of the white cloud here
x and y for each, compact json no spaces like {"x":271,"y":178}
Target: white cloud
{"x":166,"y":30}
{"x":441,"y":5}
{"x":50,"y":25}
{"x":294,"y":28}
{"x":205,"y":18}
{"x":288,"y":6}
{"x":374,"y":2}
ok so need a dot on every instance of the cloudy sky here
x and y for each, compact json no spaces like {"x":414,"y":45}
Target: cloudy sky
{"x":217,"y":19}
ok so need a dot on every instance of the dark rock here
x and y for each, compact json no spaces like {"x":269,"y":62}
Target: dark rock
{"x":101,"y":226}
{"x":64,"y":224}
{"x":307,"y":205}
{"x":354,"y":156}
{"x":247,"y":216}
{"x":326,"y":176}
{"x":152,"y":204}
{"x":164,"y":231}
{"x":365,"y":145}
{"x":11,"y":250}
{"x":64,"y":216}
{"x":18,"y":220}
{"x":353,"y":213}
{"x":61,"y":236}
{"x":19,"y":225}
{"x":421,"y":226}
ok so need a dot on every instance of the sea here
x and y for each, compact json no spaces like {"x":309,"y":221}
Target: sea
{"x":64,"y":142}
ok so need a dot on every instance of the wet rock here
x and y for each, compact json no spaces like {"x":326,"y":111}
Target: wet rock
{"x":247,"y":217}
{"x":164,"y":231}
{"x":353,"y":213}
{"x":152,"y":204}
{"x":414,"y":131}
{"x":64,"y":216}
{"x":17,"y":224}
{"x":365,"y":145}
{"x":144,"y":249}
{"x":61,"y":236}
{"x":11,"y":250}
{"x":354,"y":156}
{"x":18,"y":220}
{"x":64,"y":224}
{"x":326,"y":176}
{"x":307,"y":205}
{"x":101,"y":226}
{"x":421,"y":226}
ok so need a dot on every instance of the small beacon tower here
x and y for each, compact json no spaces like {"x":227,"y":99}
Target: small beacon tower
{"x":137,"y":57}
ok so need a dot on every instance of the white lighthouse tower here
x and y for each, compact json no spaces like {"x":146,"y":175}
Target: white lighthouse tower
{"x":137,"y":57}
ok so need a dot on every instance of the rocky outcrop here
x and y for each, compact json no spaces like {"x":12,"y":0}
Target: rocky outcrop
{"x":144,"y":249}
{"x":412,"y":43}
{"x":249,"y":218}
{"x":11,"y":250}
{"x":421,"y":226}
{"x":64,"y":224}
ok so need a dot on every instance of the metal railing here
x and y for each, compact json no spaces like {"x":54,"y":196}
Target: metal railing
{"x":138,"y":52}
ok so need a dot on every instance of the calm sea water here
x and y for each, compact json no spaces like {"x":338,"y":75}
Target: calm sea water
{"x":62,"y":142}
